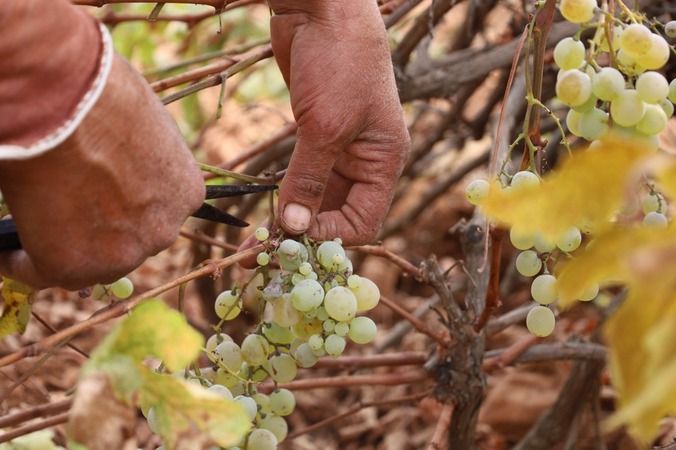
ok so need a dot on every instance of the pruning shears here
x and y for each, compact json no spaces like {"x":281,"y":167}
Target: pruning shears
{"x":9,"y":238}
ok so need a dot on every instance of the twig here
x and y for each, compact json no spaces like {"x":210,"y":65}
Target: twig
{"x":399,"y":330}
{"x":35,"y":412}
{"x":122,"y":308}
{"x":513,"y":317}
{"x":510,"y":354}
{"x":260,"y":147}
{"x":201,"y":237}
{"x":379,"y":250}
{"x":50,"y":422}
{"x":557,"y":351}
{"x":53,"y":330}
{"x":440,"y":437}
{"x":417,"y":323}
{"x":112,"y":18}
{"x":216,"y":4}
{"x":373,"y":360}
{"x":381,"y":379}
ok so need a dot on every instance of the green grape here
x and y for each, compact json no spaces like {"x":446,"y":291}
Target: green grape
{"x":667,"y":107}
{"x":276,"y":425}
{"x":524,"y":179}
{"x":340,"y":303}
{"x":607,"y":83}
{"x":328,"y":325}
{"x":330,"y":254}
{"x":635,"y":39}
{"x":289,"y":247}
{"x":99,"y":292}
{"x":283,"y":312}
{"x":307,"y":295}
{"x":570,"y":240}
{"x":528,"y":263}
{"x":521,"y":241}
{"x":540,"y":321}
{"x":651,"y":203}
{"x":654,"y":120}
{"x":304,"y":356}
{"x":316,"y":342}
{"x":589,"y":293}
{"x":254,"y":349}
{"x":282,"y":402}
{"x":305,"y":268}
{"x":670,"y":29}
{"x":586,"y":106}
{"x":573,"y":122}
{"x":652,"y":87}
{"x":655,"y":219}
{"x":226,"y":379}
{"x":543,"y":245}
{"x":353,"y":282}
{"x":367,"y":294}
{"x":312,"y":276}
{"x":573,"y":87}
{"x":230,"y":355}
{"x":122,"y":288}
{"x":278,"y":335}
{"x":213,"y":342}
{"x":569,"y":54}
{"x":334,"y":345}
{"x":249,"y":405}
{"x":543,"y":289}
{"x":220,"y":390}
{"x":321,"y":314}
{"x":263,"y":402}
{"x":627,"y":61}
{"x":594,"y":124}
{"x":319,"y":353}
{"x":263,"y":259}
{"x":362,"y":330}
{"x":284,"y":368}
{"x":226,"y":305}
{"x":657,"y":54}
{"x":262,"y":234}
{"x":477,"y":191}
{"x":672,"y":91}
{"x":341,"y":328}
{"x":627,"y":108}
{"x":261,"y":439}
{"x":577,"y":11}
{"x":296,"y":278}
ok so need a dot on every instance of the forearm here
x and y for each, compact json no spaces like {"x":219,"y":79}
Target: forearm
{"x":50,"y":54}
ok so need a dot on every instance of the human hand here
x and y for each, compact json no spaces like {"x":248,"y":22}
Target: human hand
{"x":352,"y":139}
{"x":115,"y":192}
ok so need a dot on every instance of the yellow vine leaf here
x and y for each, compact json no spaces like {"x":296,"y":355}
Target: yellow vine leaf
{"x":586,"y":191}
{"x":666,"y":178}
{"x":17,"y":299}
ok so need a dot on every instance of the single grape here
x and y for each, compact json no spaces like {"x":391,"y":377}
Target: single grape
{"x":367,"y":294}
{"x":589,"y":293}
{"x":289,"y":247}
{"x":282,"y":402}
{"x":635,"y":39}
{"x":329,"y":325}
{"x":570,"y":240}
{"x":304,"y":356}
{"x":220,"y":390}
{"x":213,"y":342}
{"x":569,"y":53}
{"x":255,"y":349}
{"x":305,"y":268}
{"x":594,"y":124}
{"x":262,"y":234}
{"x":334,"y":345}
{"x":670,"y":29}
{"x":230,"y":355}
{"x":330,"y":254}
{"x":226,"y":305}
{"x":340,"y":303}
{"x":477,"y":190}
{"x":261,"y":439}
{"x":654,"y":120}
{"x":263,"y":259}
{"x":277,"y":334}
{"x":249,"y":405}
{"x":607,"y":83}
{"x":655,"y":219}
{"x":321,"y":314}
{"x":315,"y":342}
{"x":276,"y":425}
{"x":667,"y":107}
{"x":544,"y":245}
{"x":540,"y":321}
{"x":122,"y":288}
{"x":528,"y":263}
{"x":341,"y":329}
{"x":573,"y":87}
{"x":627,"y":109}
{"x":521,"y":241}
{"x":284,"y":368}
{"x":652,"y":87}
{"x":577,"y":11}
{"x":543,"y":289}
{"x":524,"y":179}
{"x":657,"y":54}
{"x":627,"y":61}
{"x":651,"y":203}
{"x":263,"y":402}
{"x":307,"y":295}
{"x":672,"y":91}
{"x":362,"y":330}
{"x":99,"y":292}
{"x":573,"y":119}
{"x":353,"y":282}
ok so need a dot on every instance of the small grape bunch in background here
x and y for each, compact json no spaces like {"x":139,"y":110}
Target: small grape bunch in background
{"x":120,"y":289}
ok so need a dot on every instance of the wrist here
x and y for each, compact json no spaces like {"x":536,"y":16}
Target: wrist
{"x":51,"y":54}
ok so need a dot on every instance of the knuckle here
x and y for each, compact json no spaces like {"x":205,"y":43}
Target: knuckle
{"x":307,"y":184}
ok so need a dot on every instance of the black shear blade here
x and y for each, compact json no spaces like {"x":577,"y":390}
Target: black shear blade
{"x":9,"y":238}
{"x":209,"y":212}
{"x":234,"y":190}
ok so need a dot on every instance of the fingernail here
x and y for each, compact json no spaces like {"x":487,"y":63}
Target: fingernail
{"x":297,"y":217}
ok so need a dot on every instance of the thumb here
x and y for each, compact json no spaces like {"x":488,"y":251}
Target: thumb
{"x":302,"y":190}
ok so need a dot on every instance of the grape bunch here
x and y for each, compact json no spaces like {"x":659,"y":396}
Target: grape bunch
{"x":310,"y":302}
{"x":610,"y":83}
{"x":120,"y":289}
